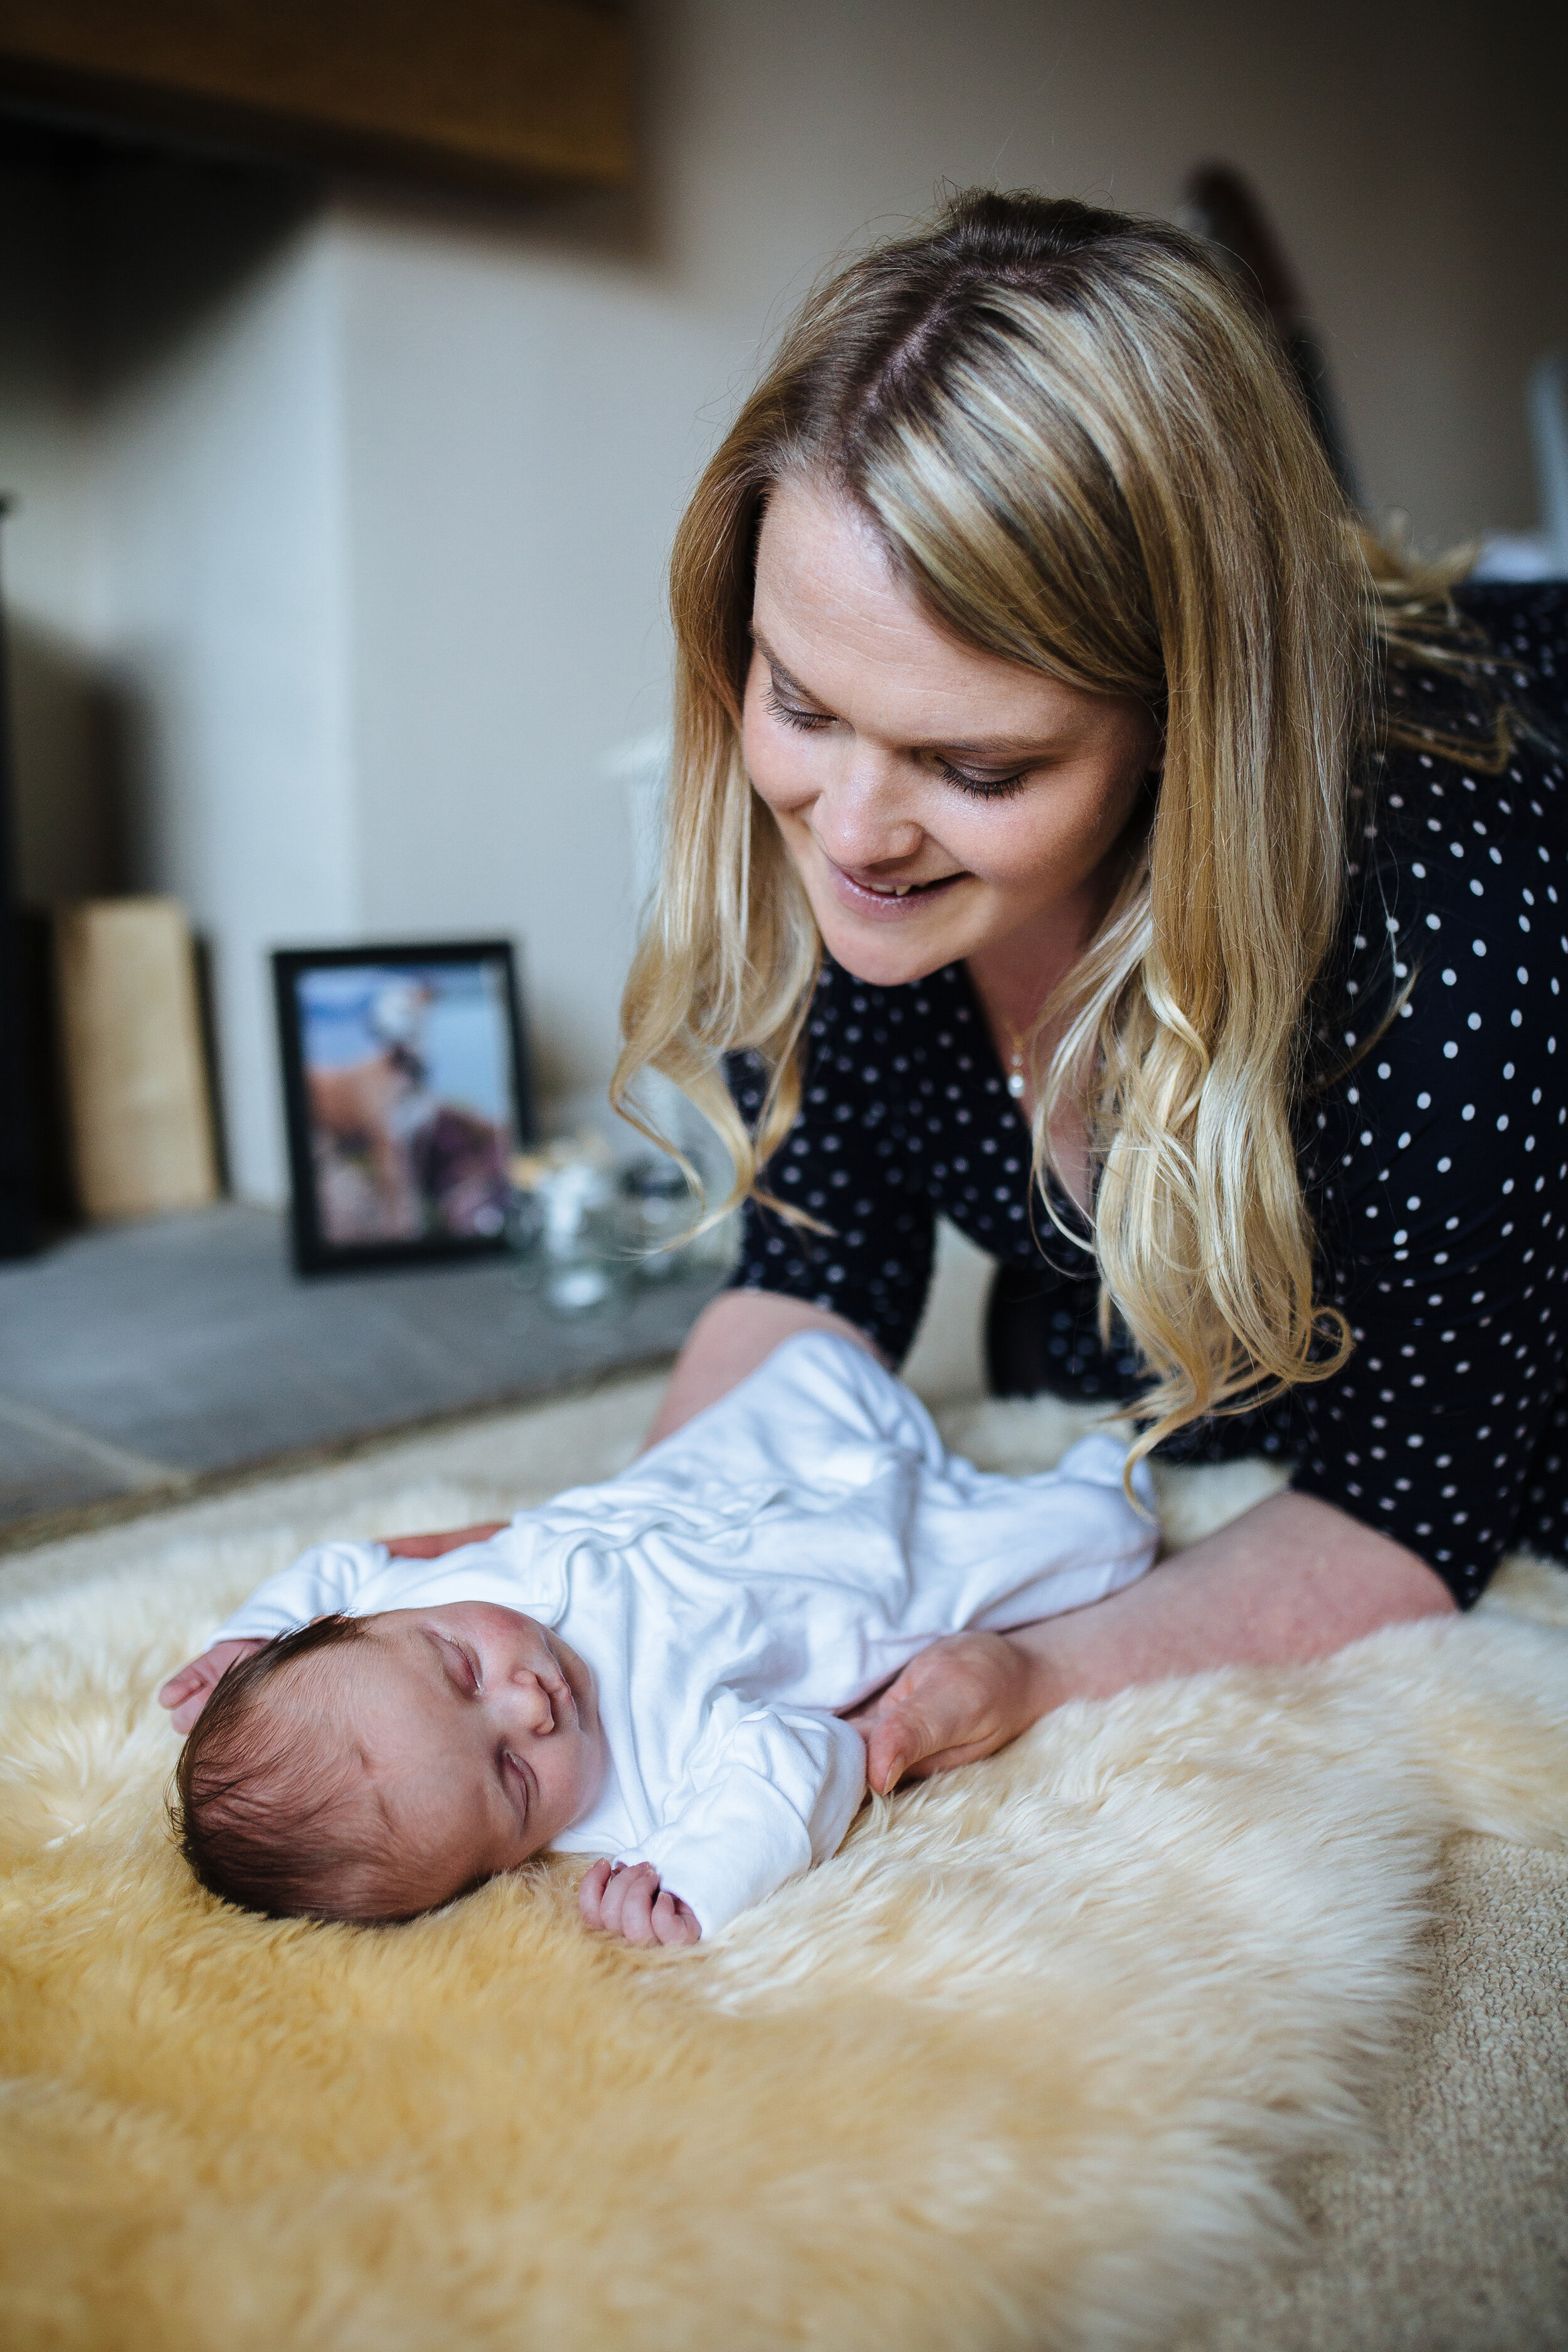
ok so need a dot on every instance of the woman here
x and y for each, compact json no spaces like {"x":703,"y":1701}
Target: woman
{"x":1068,"y":833}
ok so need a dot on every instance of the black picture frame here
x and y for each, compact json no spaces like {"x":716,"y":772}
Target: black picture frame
{"x":386,"y":1167}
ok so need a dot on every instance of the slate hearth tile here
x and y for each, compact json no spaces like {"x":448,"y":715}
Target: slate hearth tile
{"x":187,"y":1339}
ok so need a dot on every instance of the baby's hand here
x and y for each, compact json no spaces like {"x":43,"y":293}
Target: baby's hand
{"x":628,"y":1901}
{"x":187,"y":1692}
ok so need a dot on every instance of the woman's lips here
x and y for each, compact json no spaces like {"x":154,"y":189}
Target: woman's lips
{"x":886,"y":902}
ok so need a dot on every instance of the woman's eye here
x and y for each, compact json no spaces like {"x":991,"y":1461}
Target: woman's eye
{"x":986,"y":788}
{"x":793,"y":715}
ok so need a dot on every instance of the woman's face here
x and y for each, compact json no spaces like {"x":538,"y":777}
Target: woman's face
{"x":939,"y":803}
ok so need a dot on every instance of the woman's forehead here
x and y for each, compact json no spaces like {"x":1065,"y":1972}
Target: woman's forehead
{"x":832,"y":612}
{"x":916,"y":687}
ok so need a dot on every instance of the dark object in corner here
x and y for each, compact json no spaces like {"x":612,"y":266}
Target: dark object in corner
{"x":1220,"y":204}
{"x":504,"y":94}
{"x":17,"y":1231}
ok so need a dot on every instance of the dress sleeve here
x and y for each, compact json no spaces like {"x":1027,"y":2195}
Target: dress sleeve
{"x":771,"y":1795}
{"x":845,"y":1163}
{"x":321,"y":1582}
{"x":1440,"y":1159}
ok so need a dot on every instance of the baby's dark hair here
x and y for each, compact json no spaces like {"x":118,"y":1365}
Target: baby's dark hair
{"x":258,"y":1819}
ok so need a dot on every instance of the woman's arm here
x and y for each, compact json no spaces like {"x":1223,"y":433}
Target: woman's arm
{"x":1291,"y":1579}
{"x":736,"y":1332}
{"x":733,"y":1334}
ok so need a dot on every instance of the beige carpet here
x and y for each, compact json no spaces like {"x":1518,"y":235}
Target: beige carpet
{"x":1218,"y":2016}
{"x":1449,"y":2232}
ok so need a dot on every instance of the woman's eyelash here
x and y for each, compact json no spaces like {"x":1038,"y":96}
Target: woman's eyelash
{"x":985,"y":788}
{"x":792,"y":714}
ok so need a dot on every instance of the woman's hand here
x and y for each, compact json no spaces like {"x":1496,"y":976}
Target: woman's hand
{"x":628,"y":1902}
{"x":1291,"y":1579}
{"x":187,"y":1691}
{"x":449,"y":1540}
{"x":961,"y":1699}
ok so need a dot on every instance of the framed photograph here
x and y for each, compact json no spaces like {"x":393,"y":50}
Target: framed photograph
{"x":406,"y":1086}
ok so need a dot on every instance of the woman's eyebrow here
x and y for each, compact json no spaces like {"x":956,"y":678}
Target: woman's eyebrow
{"x":1010,"y":748}
{"x":782,"y":677}
{"x":979,"y":747}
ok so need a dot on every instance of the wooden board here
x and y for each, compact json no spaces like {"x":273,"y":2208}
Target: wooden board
{"x":505,"y":90}
{"x":140,"y":1119}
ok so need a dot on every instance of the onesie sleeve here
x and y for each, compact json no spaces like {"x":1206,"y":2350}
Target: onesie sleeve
{"x":322,"y":1582}
{"x":772,"y":1794}
{"x":846,"y":1162}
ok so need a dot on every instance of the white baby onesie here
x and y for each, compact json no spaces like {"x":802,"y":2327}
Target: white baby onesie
{"x":773,"y":1561}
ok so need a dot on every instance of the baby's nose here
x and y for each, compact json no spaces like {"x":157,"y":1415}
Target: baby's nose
{"x":531,"y":1700}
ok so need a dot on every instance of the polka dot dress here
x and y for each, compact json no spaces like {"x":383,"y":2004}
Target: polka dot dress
{"x":1435,"y":1153}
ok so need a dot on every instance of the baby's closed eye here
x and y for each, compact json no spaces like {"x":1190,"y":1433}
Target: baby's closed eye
{"x":461,"y":1667}
{"x":516,"y":1782}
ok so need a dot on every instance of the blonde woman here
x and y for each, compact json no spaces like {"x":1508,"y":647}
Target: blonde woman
{"x":1073,"y":833}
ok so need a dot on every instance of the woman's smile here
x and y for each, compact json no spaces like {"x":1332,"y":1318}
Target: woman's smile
{"x":879,"y":902}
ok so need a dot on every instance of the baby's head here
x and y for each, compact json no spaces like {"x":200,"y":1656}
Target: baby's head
{"x":370,"y":1767}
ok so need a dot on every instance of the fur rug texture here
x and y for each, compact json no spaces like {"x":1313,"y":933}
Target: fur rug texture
{"x":1025,"y":2066}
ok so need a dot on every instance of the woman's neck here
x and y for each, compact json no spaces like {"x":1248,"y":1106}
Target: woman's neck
{"x":1013,"y":978}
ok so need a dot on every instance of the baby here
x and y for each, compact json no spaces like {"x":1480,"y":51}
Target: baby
{"x":652,"y":1671}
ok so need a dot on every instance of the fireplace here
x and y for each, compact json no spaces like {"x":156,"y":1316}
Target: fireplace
{"x":179,"y":276}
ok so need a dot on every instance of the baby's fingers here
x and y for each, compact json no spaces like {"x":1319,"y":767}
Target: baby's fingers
{"x":187,"y":1690}
{"x":623,"y":1899}
{"x":640,"y":1888}
{"x":432,"y":1546}
{"x":675,"y":1922}
{"x":628,"y":1901}
{"x":591,"y":1896}
{"x":181,"y":1685}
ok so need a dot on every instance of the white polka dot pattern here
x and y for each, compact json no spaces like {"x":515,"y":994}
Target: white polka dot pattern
{"x":1435,"y":1163}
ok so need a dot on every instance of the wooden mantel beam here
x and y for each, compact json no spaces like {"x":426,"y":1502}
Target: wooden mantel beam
{"x":510,"y":91}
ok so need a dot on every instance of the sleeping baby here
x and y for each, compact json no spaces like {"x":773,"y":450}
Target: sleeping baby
{"x":652,"y":1671}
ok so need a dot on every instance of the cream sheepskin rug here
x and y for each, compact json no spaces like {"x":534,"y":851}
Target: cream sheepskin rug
{"x":1022,"y":2067}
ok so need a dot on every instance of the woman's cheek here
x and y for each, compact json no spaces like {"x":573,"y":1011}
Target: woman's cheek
{"x":779,"y":771}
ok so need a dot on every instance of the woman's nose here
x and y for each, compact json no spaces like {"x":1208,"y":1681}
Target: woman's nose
{"x":858,"y":817}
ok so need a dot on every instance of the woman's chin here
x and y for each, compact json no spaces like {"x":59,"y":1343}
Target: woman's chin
{"x":882,"y":962}
{"x":892,"y":954}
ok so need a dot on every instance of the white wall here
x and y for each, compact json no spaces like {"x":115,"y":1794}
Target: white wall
{"x":223,"y":587}
{"x":386,"y":522}
{"x":521,"y":427}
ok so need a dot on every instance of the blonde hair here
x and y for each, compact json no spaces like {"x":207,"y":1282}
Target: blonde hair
{"x":1084,"y":454}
